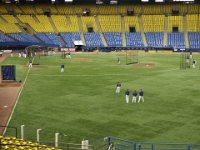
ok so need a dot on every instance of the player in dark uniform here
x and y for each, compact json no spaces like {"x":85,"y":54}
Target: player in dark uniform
{"x":62,"y":67}
{"x":118,"y":87}
{"x":127,"y":96}
{"x":141,"y":94}
{"x":134,"y":96}
{"x":194,"y":63}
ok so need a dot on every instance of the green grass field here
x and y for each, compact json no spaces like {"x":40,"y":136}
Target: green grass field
{"x":82,"y":103}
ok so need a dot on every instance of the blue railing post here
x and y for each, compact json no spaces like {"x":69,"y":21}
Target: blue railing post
{"x":188,"y":146}
{"x":152,"y":147}
{"x":134,"y":146}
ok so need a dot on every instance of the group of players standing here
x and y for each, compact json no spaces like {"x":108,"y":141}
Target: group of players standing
{"x":134,"y":94}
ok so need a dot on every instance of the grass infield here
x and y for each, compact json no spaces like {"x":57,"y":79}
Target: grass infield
{"x":82,"y":103}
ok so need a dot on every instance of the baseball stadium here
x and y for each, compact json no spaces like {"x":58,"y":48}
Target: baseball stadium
{"x":100,"y":75}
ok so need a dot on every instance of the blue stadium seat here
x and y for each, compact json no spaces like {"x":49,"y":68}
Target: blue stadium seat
{"x":176,"y":40}
{"x":70,"y":37}
{"x":113,"y":39}
{"x":49,"y":38}
{"x":5,"y":38}
{"x":22,"y":37}
{"x":93,"y":39}
{"x":154,"y":39}
{"x":134,"y":39}
{"x":194,"y":39}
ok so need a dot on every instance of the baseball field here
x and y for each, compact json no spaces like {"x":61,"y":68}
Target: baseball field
{"x":81,"y":102}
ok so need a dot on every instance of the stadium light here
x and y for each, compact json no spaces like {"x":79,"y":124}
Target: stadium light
{"x":183,"y":0}
{"x":68,"y":1}
{"x":144,"y":0}
{"x":99,"y":2}
{"x":158,"y":1}
{"x":113,"y":2}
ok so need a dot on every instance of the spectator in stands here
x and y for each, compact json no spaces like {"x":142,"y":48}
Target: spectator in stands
{"x":194,"y":63}
{"x":134,"y":96}
{"x":118,"y":87}
{"x":127,"y":96}
{"x":30,"y":63}
{"x":141,"y":94}
{"x":62,"y":67}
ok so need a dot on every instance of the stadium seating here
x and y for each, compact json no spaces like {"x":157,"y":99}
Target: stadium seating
{"x":134,"y":39}
{"x":113,"y":39}
{"x":88,"y":21}
{"x":194,"y":39}
{"x":23,"y":37}
{"x":8,"y":24}
{"x":110,"y":23}
{"x":131,"y":21}
{"x":66,"y":9}
{"x":41,"y":8}
{"x":176,"y":40}
{"x":93,"y":40}
{"x":5,"y":38}
{"x":193,"y":23}
{"x":175,"y":21}
{"x":137,"y":9}
{"x":154,"y":39}
{"x":66,"y":23}
{"x":27,"y":9}
{"x":49,"y":38}
{"x":69,"y":38}
{"x":12,"y":143}
{"x":108,"y":10}
{"x":152,"y":9}
{"x":80,"y":8}
{"x":153,"y":23}
{"x":39,"y":23}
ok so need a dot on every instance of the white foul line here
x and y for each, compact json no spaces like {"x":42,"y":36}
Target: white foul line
{"x":17,"y":100}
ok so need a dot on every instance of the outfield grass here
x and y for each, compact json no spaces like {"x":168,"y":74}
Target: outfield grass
{"x":82,"y":103}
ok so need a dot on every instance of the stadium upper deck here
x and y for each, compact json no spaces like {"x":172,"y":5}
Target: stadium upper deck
{"x":152,"y":26}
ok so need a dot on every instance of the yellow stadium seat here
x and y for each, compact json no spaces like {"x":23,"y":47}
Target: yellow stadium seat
{"x":110,"y":23}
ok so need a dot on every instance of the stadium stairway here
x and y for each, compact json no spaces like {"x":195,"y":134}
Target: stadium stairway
{"x":123,"y":31}
{"x":81,"y":30}
{"x":165,"y":31}
{"x":53,"y":25}
{"x":185,"y":32}
{"x":142,"y":31}
{"x":100,"y":31}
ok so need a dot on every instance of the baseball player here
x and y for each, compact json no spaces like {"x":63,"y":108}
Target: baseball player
{"x":141,"y":93}
{"x":194,"y":63}
{"x":127,"y":96}
{"x":134,"y":96}
{"x":62,"y":68}
{"x":118,"y":87}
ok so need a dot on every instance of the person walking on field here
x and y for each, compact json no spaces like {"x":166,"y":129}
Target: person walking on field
{"x":118,"y":87}
{"x":134,"y":96}
{"x":62,"y":68}
{"x":30,"y":63}
{"x":141,"y":94}
{"x":194,"y":63}
{"x":127,"y":96}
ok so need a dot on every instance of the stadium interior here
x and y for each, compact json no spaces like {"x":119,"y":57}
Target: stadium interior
{"x":121,"y":26}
